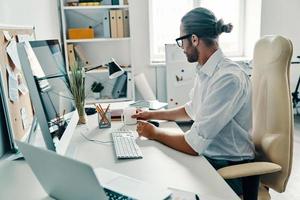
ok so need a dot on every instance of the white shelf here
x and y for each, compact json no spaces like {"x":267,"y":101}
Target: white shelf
{"x":94,"y":7}
{"x":90,"y":100}
{"x":104,"y":70}
{"x":97,"y":40}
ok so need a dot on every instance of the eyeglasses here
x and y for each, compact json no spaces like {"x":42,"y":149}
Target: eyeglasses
{"x":179,"y":40}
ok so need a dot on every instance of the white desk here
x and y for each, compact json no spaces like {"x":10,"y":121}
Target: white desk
{"x":160,"y":165}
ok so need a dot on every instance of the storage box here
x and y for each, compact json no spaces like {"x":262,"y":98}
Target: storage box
{"x":81,"y":33}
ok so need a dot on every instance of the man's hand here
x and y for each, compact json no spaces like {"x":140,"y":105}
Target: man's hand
{"x":147,"y":130}
{"x":142,"y":115}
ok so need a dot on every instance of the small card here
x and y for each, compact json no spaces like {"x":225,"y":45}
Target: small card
{"x":7,"y":35}
{"x":12,"y":85}
{"x":12,"y":51}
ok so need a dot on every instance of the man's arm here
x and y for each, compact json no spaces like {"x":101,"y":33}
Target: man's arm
{"x":176,"y":142}
{"x":170,"y":114}
{"x":173,"y":140}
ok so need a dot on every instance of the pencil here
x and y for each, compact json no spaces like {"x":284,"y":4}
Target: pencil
{"x":101,"y":112}
{"x":104,"y":113}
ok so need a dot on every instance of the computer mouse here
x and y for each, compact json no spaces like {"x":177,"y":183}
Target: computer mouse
{"x":90,"y":111}
{"x":155,"y":123}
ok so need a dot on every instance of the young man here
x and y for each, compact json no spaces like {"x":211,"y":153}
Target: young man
{"x":220,"y":104}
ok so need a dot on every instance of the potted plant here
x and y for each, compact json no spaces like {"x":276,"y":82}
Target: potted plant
{"x":96,"y":88}
{"x":77,"y":84}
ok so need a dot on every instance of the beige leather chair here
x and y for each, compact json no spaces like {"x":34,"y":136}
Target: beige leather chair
{"x":272,"y":117}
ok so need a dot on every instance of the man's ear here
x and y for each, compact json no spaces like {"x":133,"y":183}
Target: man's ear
{"x":195,"y":40}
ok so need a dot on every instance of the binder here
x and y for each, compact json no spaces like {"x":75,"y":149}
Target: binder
{"x":125,"y":2}
{"x":80,"y":54}
{"x":126,"y":23}
{"x":129,"y":86}
{"x":120,"y":24}
{"x":120,"y":87}
{"x":114,"y":2}
{"x":106,"y":2}
{"x":113,"y":23}
{"x":71,"y":55}
{"x":106,"y":24}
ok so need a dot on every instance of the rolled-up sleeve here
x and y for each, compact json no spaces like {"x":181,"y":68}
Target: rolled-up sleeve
{"x":224,"y":99}
{"x":189,"y":110}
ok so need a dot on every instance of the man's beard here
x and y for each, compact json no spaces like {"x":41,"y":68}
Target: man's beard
{"x":193,"y":56}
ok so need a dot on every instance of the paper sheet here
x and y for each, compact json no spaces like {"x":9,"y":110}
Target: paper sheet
{"x":23,"y":88}
{"x":12,"y":51}
{"x":21,"y":85}
{"x":25,"y":119}
{"x":7,"y":35}
{"x":12,"y":85}
{"x":182,"y":195}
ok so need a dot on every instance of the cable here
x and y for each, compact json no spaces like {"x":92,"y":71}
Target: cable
{"x":96,"y":141}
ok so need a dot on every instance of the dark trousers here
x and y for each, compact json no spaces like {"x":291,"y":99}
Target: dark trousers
{"x":246,"y":186}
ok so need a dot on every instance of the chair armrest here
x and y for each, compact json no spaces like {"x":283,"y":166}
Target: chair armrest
{"x":248,"y":169}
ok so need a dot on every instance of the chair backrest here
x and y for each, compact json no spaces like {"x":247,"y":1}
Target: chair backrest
{"x":272,"y":107}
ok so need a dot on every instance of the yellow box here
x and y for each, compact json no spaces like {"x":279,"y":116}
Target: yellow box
{"x":81,"y":33}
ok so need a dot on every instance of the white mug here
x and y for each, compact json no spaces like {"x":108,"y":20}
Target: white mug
{"x":127,"y":116}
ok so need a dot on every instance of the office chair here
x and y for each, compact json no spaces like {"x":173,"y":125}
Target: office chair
{"x":272,"y":119}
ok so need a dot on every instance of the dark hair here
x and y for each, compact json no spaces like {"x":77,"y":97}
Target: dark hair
{"x":203,"y":23}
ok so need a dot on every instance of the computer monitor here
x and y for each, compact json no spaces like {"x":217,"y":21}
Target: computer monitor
{"x":4,"y":140}
{"x":46,"y":76}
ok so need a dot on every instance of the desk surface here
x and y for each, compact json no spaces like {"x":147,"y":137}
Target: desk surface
{"x":160,"y":165}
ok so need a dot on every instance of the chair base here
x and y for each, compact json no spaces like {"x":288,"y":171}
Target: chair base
{"x":263,"y":193}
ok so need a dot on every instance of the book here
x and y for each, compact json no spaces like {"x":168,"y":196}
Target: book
{"x":120,"y":24}
{"x":113,"y":23}
{"x":126,"y":23}
{"x":106,"y":24}
{"x":71,"y":55}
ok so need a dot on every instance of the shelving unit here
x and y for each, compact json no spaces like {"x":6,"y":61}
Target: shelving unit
{"x":98,"y":50}
{"x":97,"y":40}
{"x":94,"y":7}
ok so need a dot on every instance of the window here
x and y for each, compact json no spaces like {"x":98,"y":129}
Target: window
{"x":165,"y":17}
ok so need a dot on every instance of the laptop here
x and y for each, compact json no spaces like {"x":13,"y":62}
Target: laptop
{"x":67,"y":179}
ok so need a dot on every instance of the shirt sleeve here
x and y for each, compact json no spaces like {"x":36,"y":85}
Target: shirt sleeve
{"x":225,"y":98}
{"x":189,"y":106}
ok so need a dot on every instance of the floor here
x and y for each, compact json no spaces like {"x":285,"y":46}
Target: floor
{"x":293,"y":187}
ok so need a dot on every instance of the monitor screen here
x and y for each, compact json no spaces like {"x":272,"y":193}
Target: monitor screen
{"x":45,"y":72}
{"x":49,"y":69}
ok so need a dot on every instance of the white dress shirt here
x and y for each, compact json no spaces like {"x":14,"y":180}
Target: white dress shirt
{"x":220,"y":106}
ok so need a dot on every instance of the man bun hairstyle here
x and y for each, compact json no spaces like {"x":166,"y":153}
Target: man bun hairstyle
{"x":223,"y":28}
{"x":203,"y":23}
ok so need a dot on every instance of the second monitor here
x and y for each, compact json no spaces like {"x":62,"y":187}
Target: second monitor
{"x":45,"y":73}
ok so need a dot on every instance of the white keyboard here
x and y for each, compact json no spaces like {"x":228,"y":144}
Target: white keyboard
{"x":125,"y":145}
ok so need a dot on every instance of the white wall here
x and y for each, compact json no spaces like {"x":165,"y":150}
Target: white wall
{"x":139,"y":30}
{"x":277,"y":17}
{"x":43,"y":14}
{"x":282,"y":17}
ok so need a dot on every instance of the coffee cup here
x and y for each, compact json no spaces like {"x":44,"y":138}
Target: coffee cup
{"x":127,"y":116}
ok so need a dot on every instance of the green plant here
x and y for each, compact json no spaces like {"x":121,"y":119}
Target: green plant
{"x":77,"y":84}
{"x":97,"y":87}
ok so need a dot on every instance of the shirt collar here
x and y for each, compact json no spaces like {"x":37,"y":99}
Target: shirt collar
{"x":209,"y":67}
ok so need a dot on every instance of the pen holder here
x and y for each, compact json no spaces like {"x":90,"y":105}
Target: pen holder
{"x":104,"y":122}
